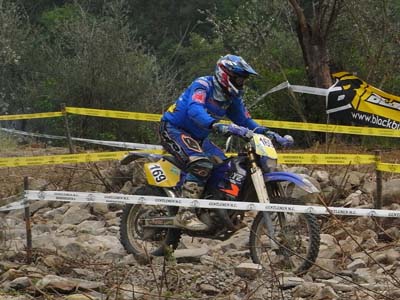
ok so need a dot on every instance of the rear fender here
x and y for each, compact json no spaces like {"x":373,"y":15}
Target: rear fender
{"x":131,"y":156}
{"x":159,"y":172}
{"x":300,"y":181}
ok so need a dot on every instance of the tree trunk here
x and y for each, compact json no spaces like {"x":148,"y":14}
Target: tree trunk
{"x":312,"y":40}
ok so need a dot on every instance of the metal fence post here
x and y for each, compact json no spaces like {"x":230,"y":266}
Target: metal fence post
{"x":378,"y":196}
{"x":28,"y":226}
{"x":67,"y":131}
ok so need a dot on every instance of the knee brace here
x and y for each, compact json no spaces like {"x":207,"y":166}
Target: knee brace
{"x":200,"y":167}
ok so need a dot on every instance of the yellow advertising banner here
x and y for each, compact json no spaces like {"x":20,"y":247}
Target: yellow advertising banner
{"x":353,"y":100}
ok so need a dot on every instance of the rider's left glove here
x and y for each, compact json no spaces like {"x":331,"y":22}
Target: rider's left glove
{"x":285,"y":141}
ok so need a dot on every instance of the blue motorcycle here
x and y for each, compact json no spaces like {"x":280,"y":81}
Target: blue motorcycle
{"x":288,"y":241}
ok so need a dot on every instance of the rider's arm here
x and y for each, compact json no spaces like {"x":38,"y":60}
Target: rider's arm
{"x":239,"y":114}
{"x":197,"y":111}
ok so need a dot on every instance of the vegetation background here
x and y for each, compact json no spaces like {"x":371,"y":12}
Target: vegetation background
{"x":139,"y":55}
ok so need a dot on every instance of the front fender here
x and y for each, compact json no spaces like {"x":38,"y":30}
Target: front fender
{"x":301,"y":181}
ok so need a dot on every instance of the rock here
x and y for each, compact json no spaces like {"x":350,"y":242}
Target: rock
{"x":299,"y":170}
{"x":208,"y":289}
{"x":75,"y":215}
{"x":332,"y":251}
{"x":363,"y":223}
{"x":392,"y":256}
{"x":75,"y":250}
{"x":92,"y":227}
{"x":53,"y":261}
{"x":11,"y":274}
{"x":248,"y":270}
{"x":15,"y":297}
{"x":7,"y":265}
{"x":356,"y":264}
{"x":325,"y":293}
{"x":189,"y":255}
{"x":65,"y":284}
{"x":391,"y":192}
{"x":354,"y":199}
{"x":350,"y":244}
{"x":368,"y":234}
{"x":77,"y":297}
{"x":51,"y":214}
{"x":370,"y":244}
{"x":328,"y":192}
{"x":343,"y":287}
{"x":327,"y":270}
{"x":350,"y":180}
{"x":321,"y":176}
{"x":20,"y":283}
{"x":329,"y":247}
{"x":239,"y":241}
{"x":328,"y":239}
{"x":364,"y":275}
{"x":99,"y":208}
{"x":307,"y":289}
{"x":128,"y":188}
{"x":290,"y":282}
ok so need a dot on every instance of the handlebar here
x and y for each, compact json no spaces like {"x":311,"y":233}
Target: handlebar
{"x":247,"y":134}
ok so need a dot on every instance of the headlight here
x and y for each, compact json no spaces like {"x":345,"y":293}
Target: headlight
{"x":268,"y":164}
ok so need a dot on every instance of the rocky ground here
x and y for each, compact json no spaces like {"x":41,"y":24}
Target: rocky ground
{"x":77,"y":254}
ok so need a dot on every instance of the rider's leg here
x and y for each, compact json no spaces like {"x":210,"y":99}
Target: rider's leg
{"x":189,"y":153}
{"x":193,"y":187}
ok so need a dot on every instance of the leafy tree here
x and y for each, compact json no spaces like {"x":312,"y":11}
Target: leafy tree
{"x":14,"y":46}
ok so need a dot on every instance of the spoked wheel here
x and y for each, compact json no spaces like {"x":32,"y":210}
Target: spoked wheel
{"x":293,"y":244}
{"x":142,"y":241}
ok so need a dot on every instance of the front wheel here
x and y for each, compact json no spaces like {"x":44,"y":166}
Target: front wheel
{"x":141,"y":241}
{"x":292,"y":246}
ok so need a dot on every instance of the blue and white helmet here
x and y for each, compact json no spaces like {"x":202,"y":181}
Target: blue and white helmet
{"x":231,"y":72}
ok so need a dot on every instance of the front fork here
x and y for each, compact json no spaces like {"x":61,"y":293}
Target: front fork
{"x":261,"y":190}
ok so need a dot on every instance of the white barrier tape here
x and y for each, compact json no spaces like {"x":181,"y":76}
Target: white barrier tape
{"x":14,"y":205}
{"x":98,"y":142}
{"x":203,"y":203}
{"x":294,"y":88}
{"x":308,"y":90}
{"x":15,"y":131}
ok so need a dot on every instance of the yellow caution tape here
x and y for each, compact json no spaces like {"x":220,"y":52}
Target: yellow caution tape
{"x":65,"y":158}
{"x":387,"y":167}
{"x":285,"y":158}
{"x":268,"y":123}
{"x":113,"y":114}
{"x":331,"y":128}
{"x":325,"y":159}
{"x":32,"y":116}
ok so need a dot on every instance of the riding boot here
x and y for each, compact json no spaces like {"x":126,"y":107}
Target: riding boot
{"x":186,"y":218}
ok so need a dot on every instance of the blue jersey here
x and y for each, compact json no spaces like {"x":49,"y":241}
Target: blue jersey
{"x":196,"y":110}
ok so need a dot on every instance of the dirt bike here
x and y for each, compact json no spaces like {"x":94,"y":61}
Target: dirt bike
{"x":285,"y":240}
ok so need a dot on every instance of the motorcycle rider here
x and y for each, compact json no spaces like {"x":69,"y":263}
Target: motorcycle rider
{"x":186,"y":124}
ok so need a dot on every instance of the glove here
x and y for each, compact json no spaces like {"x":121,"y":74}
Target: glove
{"x":231,"y":129}
{"x":285,"y":141}
{"x":220,"y":128}
{"x":238,"y":130}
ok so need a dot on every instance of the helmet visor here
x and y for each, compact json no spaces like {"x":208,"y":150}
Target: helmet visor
{"x":238,"y":81}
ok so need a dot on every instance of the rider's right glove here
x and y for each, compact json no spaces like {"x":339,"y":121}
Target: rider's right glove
{"x":231,"y":129}
{"x":220,"y":128}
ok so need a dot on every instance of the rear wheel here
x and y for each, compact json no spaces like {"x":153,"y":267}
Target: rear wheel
{"x":294,"y":245}
{"x":145,"y":242}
